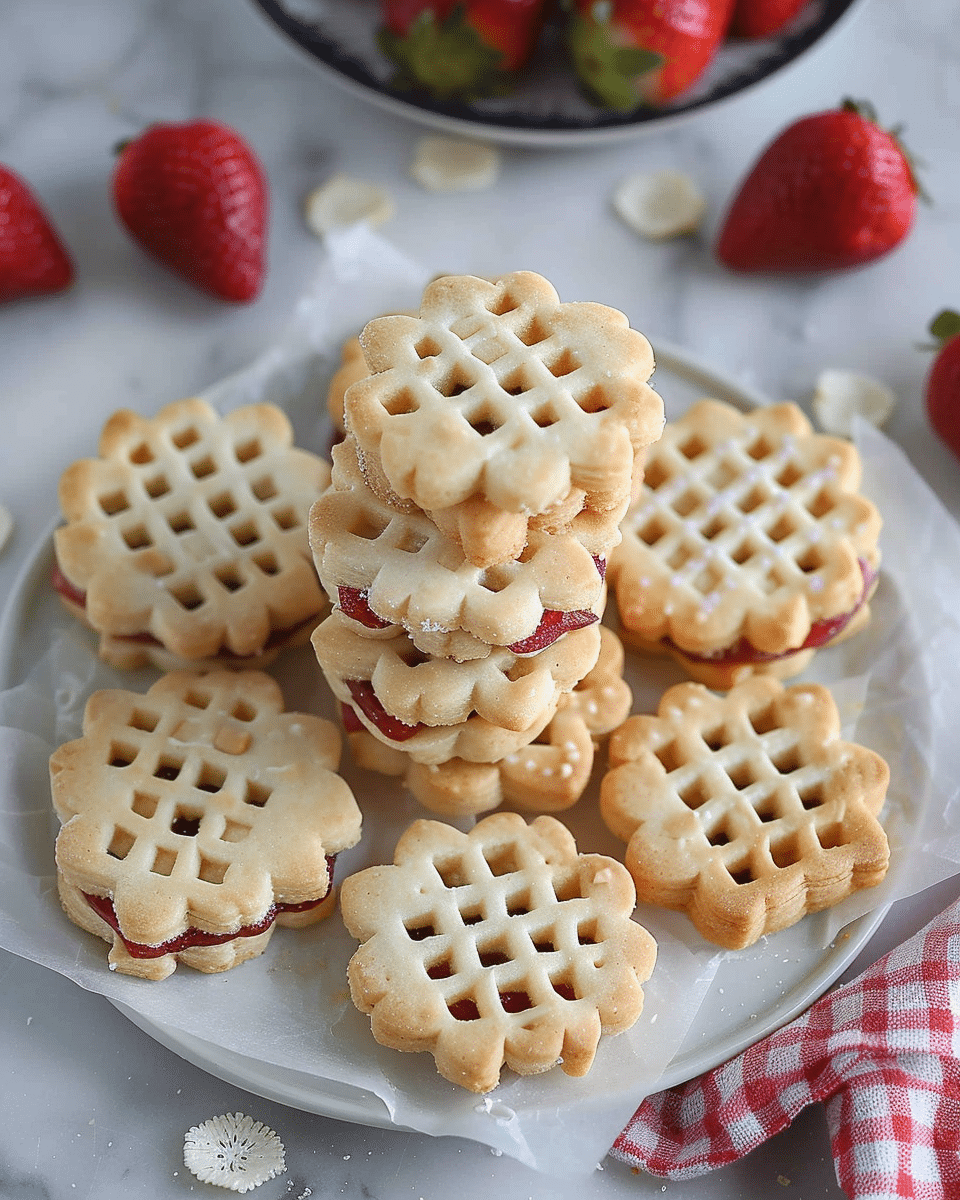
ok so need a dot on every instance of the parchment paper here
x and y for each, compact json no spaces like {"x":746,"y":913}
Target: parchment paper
{"x":897,"y":684}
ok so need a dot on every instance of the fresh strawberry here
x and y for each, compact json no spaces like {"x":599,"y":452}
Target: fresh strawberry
{"x":834,"y":190}
{"x":943,"y":382}
{"x":33,"y":260}
{"x":460,"y":49}
{"x":629,"y":53}
{"x":763,"y":18}
{"x":194,"y":196}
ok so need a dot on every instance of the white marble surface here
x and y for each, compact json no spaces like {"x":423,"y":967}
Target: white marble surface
{"x":90,"y":1105}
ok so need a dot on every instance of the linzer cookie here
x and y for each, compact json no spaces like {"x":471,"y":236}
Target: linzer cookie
{"x":499,"y":405}
{"x":400,"y":693}
{"x":750,"y":546}
{"x":547,"y":775}
{"x":745,"y":811}
{"x":186,"y":540}
{"x":385,"y":568}
{"x":502,"y":946}
{"x":195,"y":818}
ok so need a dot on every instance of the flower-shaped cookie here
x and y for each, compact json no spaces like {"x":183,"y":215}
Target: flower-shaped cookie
{"x":498,"y":404}
{"x":506,"y":689}
{"x":190,"y":532}
{"x":749,"y":547}
{"x":746,"y":811}
{"x":196,"y":816}
{"x":499,"y":946}
{"x":547,"y":775}
{"x":385,"y":567}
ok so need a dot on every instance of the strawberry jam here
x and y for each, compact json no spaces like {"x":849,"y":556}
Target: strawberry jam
{"x":103,"y":907}
{"x":553,"y":624}
{"x":821,"y":632}
{"x":354,"y":603}
{"x":369,"y":704}
{"x":464,"y":1010}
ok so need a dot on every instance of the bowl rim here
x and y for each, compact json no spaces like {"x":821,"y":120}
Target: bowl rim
{"x":514,"y":125}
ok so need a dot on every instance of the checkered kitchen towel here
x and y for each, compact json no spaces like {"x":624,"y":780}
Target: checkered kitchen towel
{"x":881,"y":1052}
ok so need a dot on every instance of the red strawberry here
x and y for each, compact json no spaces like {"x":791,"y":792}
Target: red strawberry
{"x":834,"y":190}
{"x":460,"y":49}
{"x":943,"y":382}
{"x":33,"y":260}
{"x":629,"y":53}
{"x":194,"y":196}
{"x":763,"y":18}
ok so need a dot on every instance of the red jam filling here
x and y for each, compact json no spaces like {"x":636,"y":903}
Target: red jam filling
{"x":355,"y":604}
{"x":821,"y":632}
{"x":103,"y":907}
{"x":75,"y":596}
{"x":367,"y":701}
{"x":553,"y":624}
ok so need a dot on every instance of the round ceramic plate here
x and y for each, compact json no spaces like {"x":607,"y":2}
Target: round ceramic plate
{"x":545,"y":108}
{"x":752,"y":993}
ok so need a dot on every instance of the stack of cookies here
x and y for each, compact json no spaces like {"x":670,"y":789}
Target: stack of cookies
{"x":491,"y":453}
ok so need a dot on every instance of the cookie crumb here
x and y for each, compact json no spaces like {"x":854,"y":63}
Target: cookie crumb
{"x":660,"y":204}
{"x":6,"y":525}
{"x":842,"y":395}
{"x":343,"y":201}
{"x":451,"y":165}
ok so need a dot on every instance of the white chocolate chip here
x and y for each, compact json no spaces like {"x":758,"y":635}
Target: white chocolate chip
{"x":842,"y":395}
{"x":449,"y":165}
{"x":344,"y":201}
{"x":660,"y":205}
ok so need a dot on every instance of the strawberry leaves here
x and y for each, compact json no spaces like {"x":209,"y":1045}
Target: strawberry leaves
{"x":607,"y":69}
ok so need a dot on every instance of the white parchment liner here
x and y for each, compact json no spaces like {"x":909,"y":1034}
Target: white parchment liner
{"x":897,"y":685}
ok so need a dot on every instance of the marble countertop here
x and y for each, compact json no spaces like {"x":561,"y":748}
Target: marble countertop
{"x":91,"y":1106}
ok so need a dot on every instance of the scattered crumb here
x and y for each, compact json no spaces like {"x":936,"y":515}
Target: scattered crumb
{"x":841,"y":395}
{"x":233,"y":1151}
{"x":344,"y":201}
{"x":448,"y":165}
{"x":660,"y":205}
{"x":6,"y":525}
{"x":783,"y":1181}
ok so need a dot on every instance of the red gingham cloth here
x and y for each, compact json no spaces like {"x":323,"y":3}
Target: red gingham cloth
{"x":881,"y":1052}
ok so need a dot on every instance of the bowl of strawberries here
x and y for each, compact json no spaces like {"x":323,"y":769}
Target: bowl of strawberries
{"x":554,"y":72}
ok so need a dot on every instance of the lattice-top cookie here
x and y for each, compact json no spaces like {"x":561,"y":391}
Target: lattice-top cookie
{"x":415,"y":688}
{"x":497,"y":396}
{"x":195,"y":816}
{"x":548,"y":774}
{"x":749,"y":541}
{"x":191,"y":529}
{"x":499,"y":946}
{"x":746,"y":811}
{"x":383,"y":567}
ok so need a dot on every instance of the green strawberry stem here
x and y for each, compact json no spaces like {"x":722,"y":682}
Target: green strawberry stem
{"x":448,"y":58}
{"x":606,"y":69}
{"x":944,"y":326}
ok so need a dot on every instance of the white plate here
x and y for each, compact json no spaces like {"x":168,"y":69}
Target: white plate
{"x":546,"y":108}
{"x":752,"y":993}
